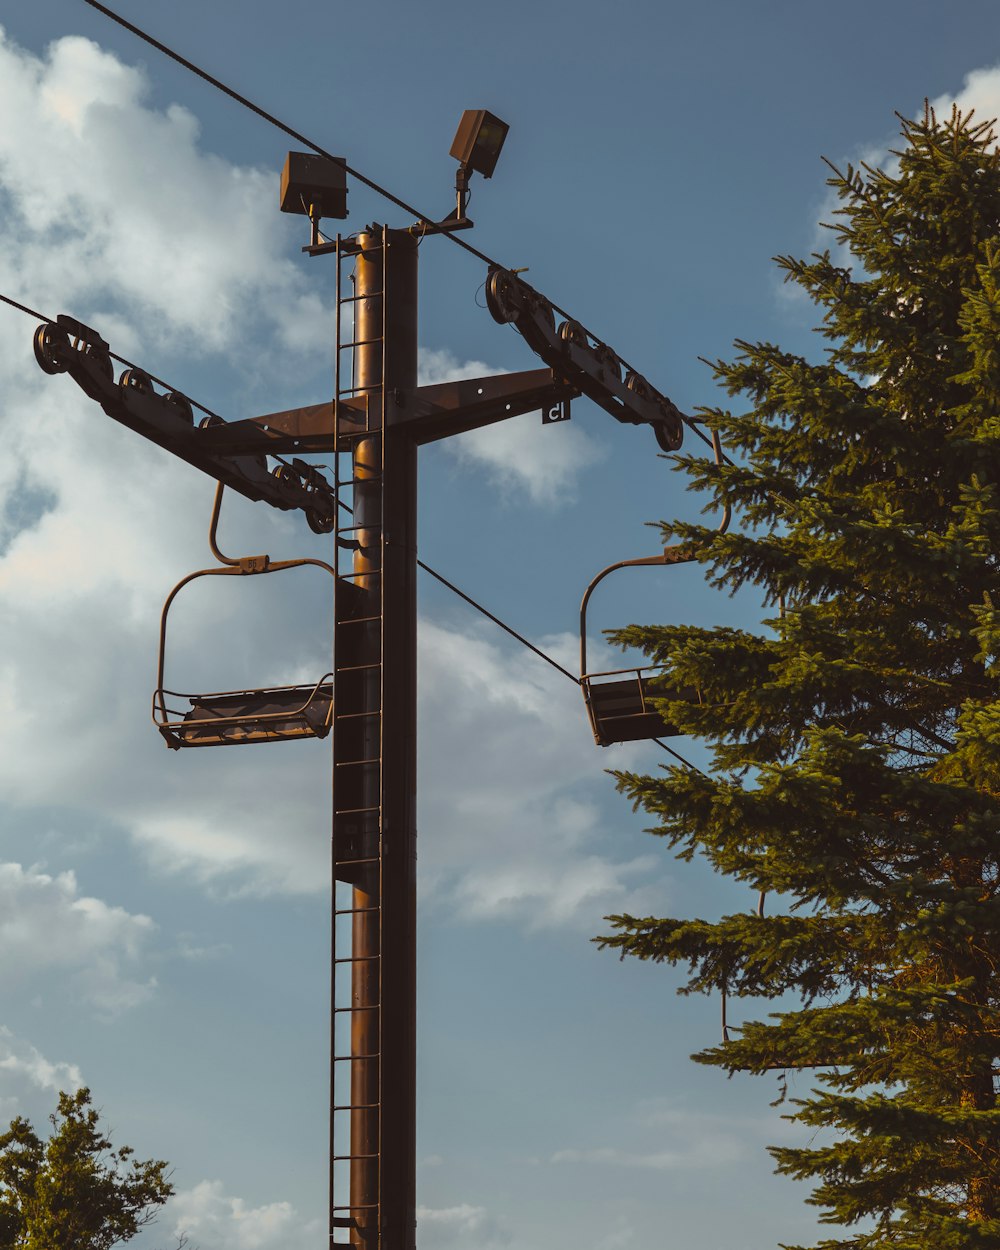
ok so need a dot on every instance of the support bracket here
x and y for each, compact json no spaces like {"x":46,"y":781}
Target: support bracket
{"x":67,"y":346}
{"x":583,"y":361}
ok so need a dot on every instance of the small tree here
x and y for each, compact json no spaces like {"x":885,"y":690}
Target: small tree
{"x":74,"y":1192}
{"x":856,"y":739}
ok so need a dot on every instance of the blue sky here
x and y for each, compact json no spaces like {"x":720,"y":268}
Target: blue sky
{"x":163,"y":916}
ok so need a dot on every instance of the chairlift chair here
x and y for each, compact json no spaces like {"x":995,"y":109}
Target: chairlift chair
{"x":622,"y":703}
{"x":238,"y":717}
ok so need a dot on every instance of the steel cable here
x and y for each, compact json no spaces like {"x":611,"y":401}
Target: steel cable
{"x":497,"y":621}
{"x":129,"y":364}
{"x":540,"y":653}
{"x":31,"y":312}
{"x":167,"y":51}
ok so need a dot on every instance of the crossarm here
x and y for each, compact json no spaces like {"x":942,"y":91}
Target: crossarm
{"x":68,"y":346}
{"x":582,"y":361}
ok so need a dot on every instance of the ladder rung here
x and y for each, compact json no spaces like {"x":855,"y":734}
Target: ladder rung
{"x":339,"y":1221}
{"x":350,"y":1059}
{"x":344,"y":1158}
{"x":354,"y":911}
{"x":357,"y":1206}
{"x":353,"y":299}
{"x":340,"y":1010}
{"x":358,"y":668}
{"x":355,"y":1106}
{"x":356,"y":715}
{"x":353,"y":863}
{"x":356,"y":763}
{"x":355,"y":811}
{"x":356,"y":959}
{"x":358,"y":620}
{"x":359,"y":343}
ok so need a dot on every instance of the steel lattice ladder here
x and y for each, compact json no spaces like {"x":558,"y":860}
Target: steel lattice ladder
{"x":358,"y":792}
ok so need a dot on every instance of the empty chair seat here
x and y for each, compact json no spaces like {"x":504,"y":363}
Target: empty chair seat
{"x":278,"y":714}
{"x":621,"y":709}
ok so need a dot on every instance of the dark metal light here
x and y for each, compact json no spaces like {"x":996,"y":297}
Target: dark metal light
{"x":478,"y":141}
{"x":314,"y":186}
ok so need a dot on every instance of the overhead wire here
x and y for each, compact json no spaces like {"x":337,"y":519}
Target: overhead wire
{"x":129,"y":364}
{"x":422,"y":218}
{"x":23,"y":308}
{"x":497,"y":621}
{"x":274,"y":121}
{"x":32,"y":312}
{"x":540,"y":653}
{"x":168,"y":386}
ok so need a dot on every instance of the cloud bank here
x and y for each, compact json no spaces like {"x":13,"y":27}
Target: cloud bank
{"x":115,"y":212}
{"x":48,"y":929}
{"x":212,"y":1218}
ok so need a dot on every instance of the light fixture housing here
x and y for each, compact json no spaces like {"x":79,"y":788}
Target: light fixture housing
{"x":312,"y":182}
{"x":478,"y":141}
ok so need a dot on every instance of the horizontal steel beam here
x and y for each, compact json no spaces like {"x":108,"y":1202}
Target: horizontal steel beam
{"x":424,"y":414}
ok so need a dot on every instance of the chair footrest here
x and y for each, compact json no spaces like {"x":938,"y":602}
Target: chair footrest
{"x":235,"y":718}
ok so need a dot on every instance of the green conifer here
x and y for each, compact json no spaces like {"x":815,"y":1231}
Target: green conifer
{"x":856,"y":736}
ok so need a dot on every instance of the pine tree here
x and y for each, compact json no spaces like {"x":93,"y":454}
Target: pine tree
{"x":74,"y":1192}
{"x":855,"y":737}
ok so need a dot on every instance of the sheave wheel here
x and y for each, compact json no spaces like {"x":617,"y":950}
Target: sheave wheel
{"x":49,"y":338}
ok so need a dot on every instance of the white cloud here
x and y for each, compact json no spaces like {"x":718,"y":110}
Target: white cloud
{"x":520,"y":455}
{"x":656,"y":1161}
{"x":674,"y":1138}
{"x":23,"y":1065}
{"x":215,"y":1219}
{"x":181,"y":253}
{"x":516,"y":835}
{"x":113,"y":200}
{"x":472,"y":1228}
{"x":47,"y":926}
{"x":980,"y":91}
{"x":623,"y":1234}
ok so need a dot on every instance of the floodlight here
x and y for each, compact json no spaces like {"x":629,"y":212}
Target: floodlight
{"x":478,"y":141}
{"x":314,"y":186}
{"x":476,"y":147}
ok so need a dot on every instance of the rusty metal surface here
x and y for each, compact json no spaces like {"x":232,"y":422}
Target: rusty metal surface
{"x":167,"y":419}
{"x":313,"y":185}
{"x":622,"y":705}
{"x":235,"y":717}
{"x":619,"y":710}
{"x":307,"y":430}
{"x":242,"y":717}
{"x":424,"y":413}
{"x":434,"y":412}
{"x":374,"y":832}
{"x":582,"y":360}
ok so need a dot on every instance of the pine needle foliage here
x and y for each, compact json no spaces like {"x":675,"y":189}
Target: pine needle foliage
{"x":74,"y":1191}
{"x":856,"y":735}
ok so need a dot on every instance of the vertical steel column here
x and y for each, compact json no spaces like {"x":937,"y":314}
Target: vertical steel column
{"x":384,"y":923}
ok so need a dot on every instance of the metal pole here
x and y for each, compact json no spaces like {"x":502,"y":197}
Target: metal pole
{"x":384,"y":923}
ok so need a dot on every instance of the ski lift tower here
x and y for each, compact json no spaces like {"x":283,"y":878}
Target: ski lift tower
{"x":377,"y":420}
